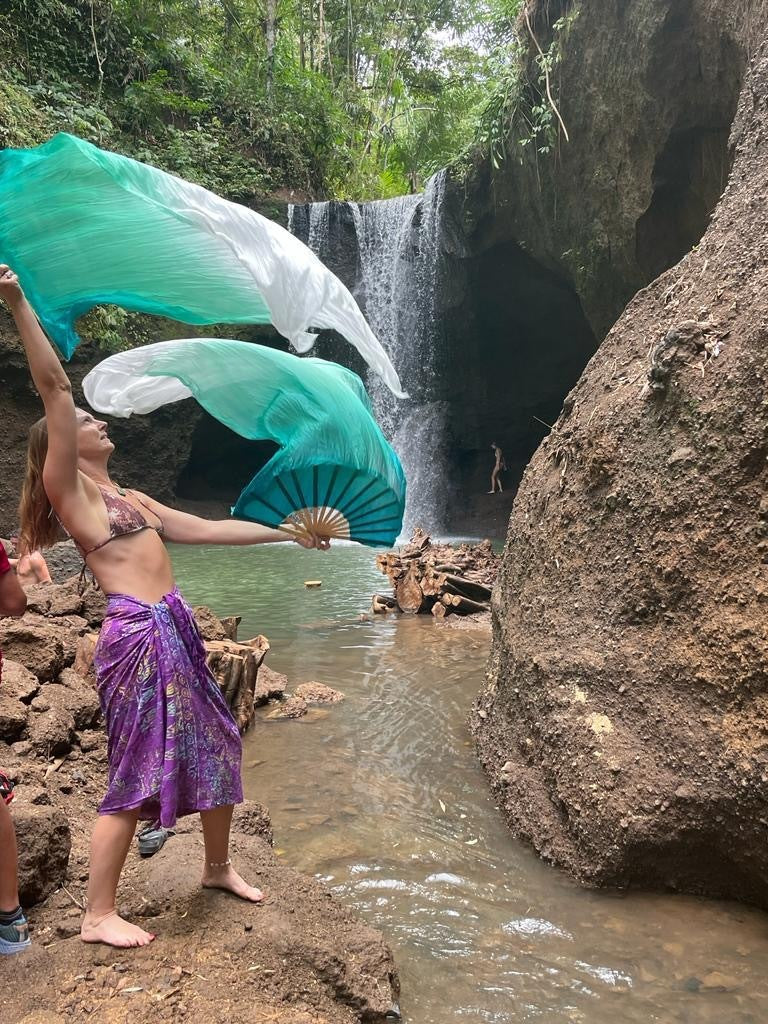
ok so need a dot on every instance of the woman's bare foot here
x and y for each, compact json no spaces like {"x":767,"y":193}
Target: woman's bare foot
{"x":227,"y":878}
{"x":112,"y":930}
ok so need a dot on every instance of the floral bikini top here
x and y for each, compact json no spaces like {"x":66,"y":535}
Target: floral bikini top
{"x":124,"y":518}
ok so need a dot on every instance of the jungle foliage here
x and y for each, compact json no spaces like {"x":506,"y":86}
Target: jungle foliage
{"x":350,"y":98}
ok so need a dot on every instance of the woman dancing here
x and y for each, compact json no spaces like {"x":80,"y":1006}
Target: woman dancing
{"x":173,"y":744}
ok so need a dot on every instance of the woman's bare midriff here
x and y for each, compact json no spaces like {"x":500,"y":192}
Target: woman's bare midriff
{"x":136,"y":564}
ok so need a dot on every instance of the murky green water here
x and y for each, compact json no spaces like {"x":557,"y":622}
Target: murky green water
{"x":381,"y":798}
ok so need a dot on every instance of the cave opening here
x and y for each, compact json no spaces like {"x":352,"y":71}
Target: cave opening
{"x":220,"y":464}
{"x":689,"y":176}
{"x":509,"y":370}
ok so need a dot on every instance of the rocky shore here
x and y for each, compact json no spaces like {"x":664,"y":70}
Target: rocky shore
{"x":300,"y":958}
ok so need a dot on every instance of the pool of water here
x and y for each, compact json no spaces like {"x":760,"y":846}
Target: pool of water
{"x":382,"y":798}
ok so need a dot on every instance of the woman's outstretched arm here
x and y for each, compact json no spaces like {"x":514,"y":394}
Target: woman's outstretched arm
{"x":184,"y":528}
{"x":60,"y":476}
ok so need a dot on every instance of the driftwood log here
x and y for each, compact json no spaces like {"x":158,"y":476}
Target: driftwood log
{"x":437,"y":578}
{"x":234,"y":665}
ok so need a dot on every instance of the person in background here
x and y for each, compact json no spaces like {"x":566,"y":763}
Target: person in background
{"x":14,"y":931}
{"x":173,"y":745}
{"x":499,"y":465}
{"x":30,"y":568}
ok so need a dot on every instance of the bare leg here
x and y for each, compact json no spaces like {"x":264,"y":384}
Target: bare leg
{"x":9,"y":875}
{"x":493,"y":482}
{"x":218,"y":873}
{"x":110,"y":842}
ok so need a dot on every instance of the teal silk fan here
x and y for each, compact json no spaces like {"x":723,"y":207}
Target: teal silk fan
{"x":81,"y":226}
{"x":334,"y":474}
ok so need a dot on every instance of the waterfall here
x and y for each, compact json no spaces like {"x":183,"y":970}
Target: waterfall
{"x":399,"y":254}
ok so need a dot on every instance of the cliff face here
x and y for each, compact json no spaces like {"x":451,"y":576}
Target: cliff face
{"x":539,"y":256}
{"x":648,"y":92}
{"x":623,"y":724}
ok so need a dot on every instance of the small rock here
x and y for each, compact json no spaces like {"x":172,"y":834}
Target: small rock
{"x":66,"y":929}
{"x":269,"y":684}
{"x":90,"y":741}
{"x":291,"y":707}
{"x":715,"y":981}
{"x":680,"y":456}
{"x":318,"y":693}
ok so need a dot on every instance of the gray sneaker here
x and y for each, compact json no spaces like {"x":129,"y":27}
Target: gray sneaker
{"x":14,"y":937}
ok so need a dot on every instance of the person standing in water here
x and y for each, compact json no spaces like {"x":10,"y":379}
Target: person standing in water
{"x":173,"y":745}
{"x":499,"y":465}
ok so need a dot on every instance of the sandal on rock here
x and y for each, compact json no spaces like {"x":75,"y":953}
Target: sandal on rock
{"x":152,"y":837}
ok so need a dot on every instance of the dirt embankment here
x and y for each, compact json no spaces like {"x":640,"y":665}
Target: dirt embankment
{"x":300,"y":958}
{"x":623,"y":724}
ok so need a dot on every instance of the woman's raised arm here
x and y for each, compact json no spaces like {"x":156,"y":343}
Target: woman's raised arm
{"x":60,"y":475}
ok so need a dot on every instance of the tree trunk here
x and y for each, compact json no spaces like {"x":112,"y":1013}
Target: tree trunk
{"x":464,"y":606}
{"x":461,"y":585}
{"x":408,"y":592}
{"x":270,"y":36}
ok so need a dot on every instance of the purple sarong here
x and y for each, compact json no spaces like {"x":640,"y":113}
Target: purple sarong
{"x":173,"y":744}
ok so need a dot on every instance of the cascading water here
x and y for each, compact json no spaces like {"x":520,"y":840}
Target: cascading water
{"x":399,"y":269}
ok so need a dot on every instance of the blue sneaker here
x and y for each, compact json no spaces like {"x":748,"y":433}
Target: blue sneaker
{"x":14,"y":937}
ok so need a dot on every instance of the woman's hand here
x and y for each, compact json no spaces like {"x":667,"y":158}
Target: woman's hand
{"x":313,"y":542}
{"x":10,"y":289}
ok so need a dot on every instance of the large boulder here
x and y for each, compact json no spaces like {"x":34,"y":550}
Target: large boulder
{"x":43,"y":839}
{"x":623,"y":721}
{"x":13,"y":716}
{"x":35,"y":642}
{"x":53,"y":599}
{"x":51,"y":725}
{"x":17,"y":688}
{"x":80,"y":698}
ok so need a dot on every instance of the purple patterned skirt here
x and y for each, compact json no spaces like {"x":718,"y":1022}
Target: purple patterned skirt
{"x":173,"y":744}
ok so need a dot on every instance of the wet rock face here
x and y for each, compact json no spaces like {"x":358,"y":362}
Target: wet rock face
{"x":623,"y":721}
{"x":648,"y":92}
{"x":557,"y":244}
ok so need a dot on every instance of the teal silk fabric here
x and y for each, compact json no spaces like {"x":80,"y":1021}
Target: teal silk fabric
{"x":82,"y":226}
{"x":332,"y":452}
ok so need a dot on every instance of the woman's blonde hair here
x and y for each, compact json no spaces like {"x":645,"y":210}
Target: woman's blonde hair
{"x":39,"y":526}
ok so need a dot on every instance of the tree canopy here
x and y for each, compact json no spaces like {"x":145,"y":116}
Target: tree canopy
{"x":350,"y":98}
